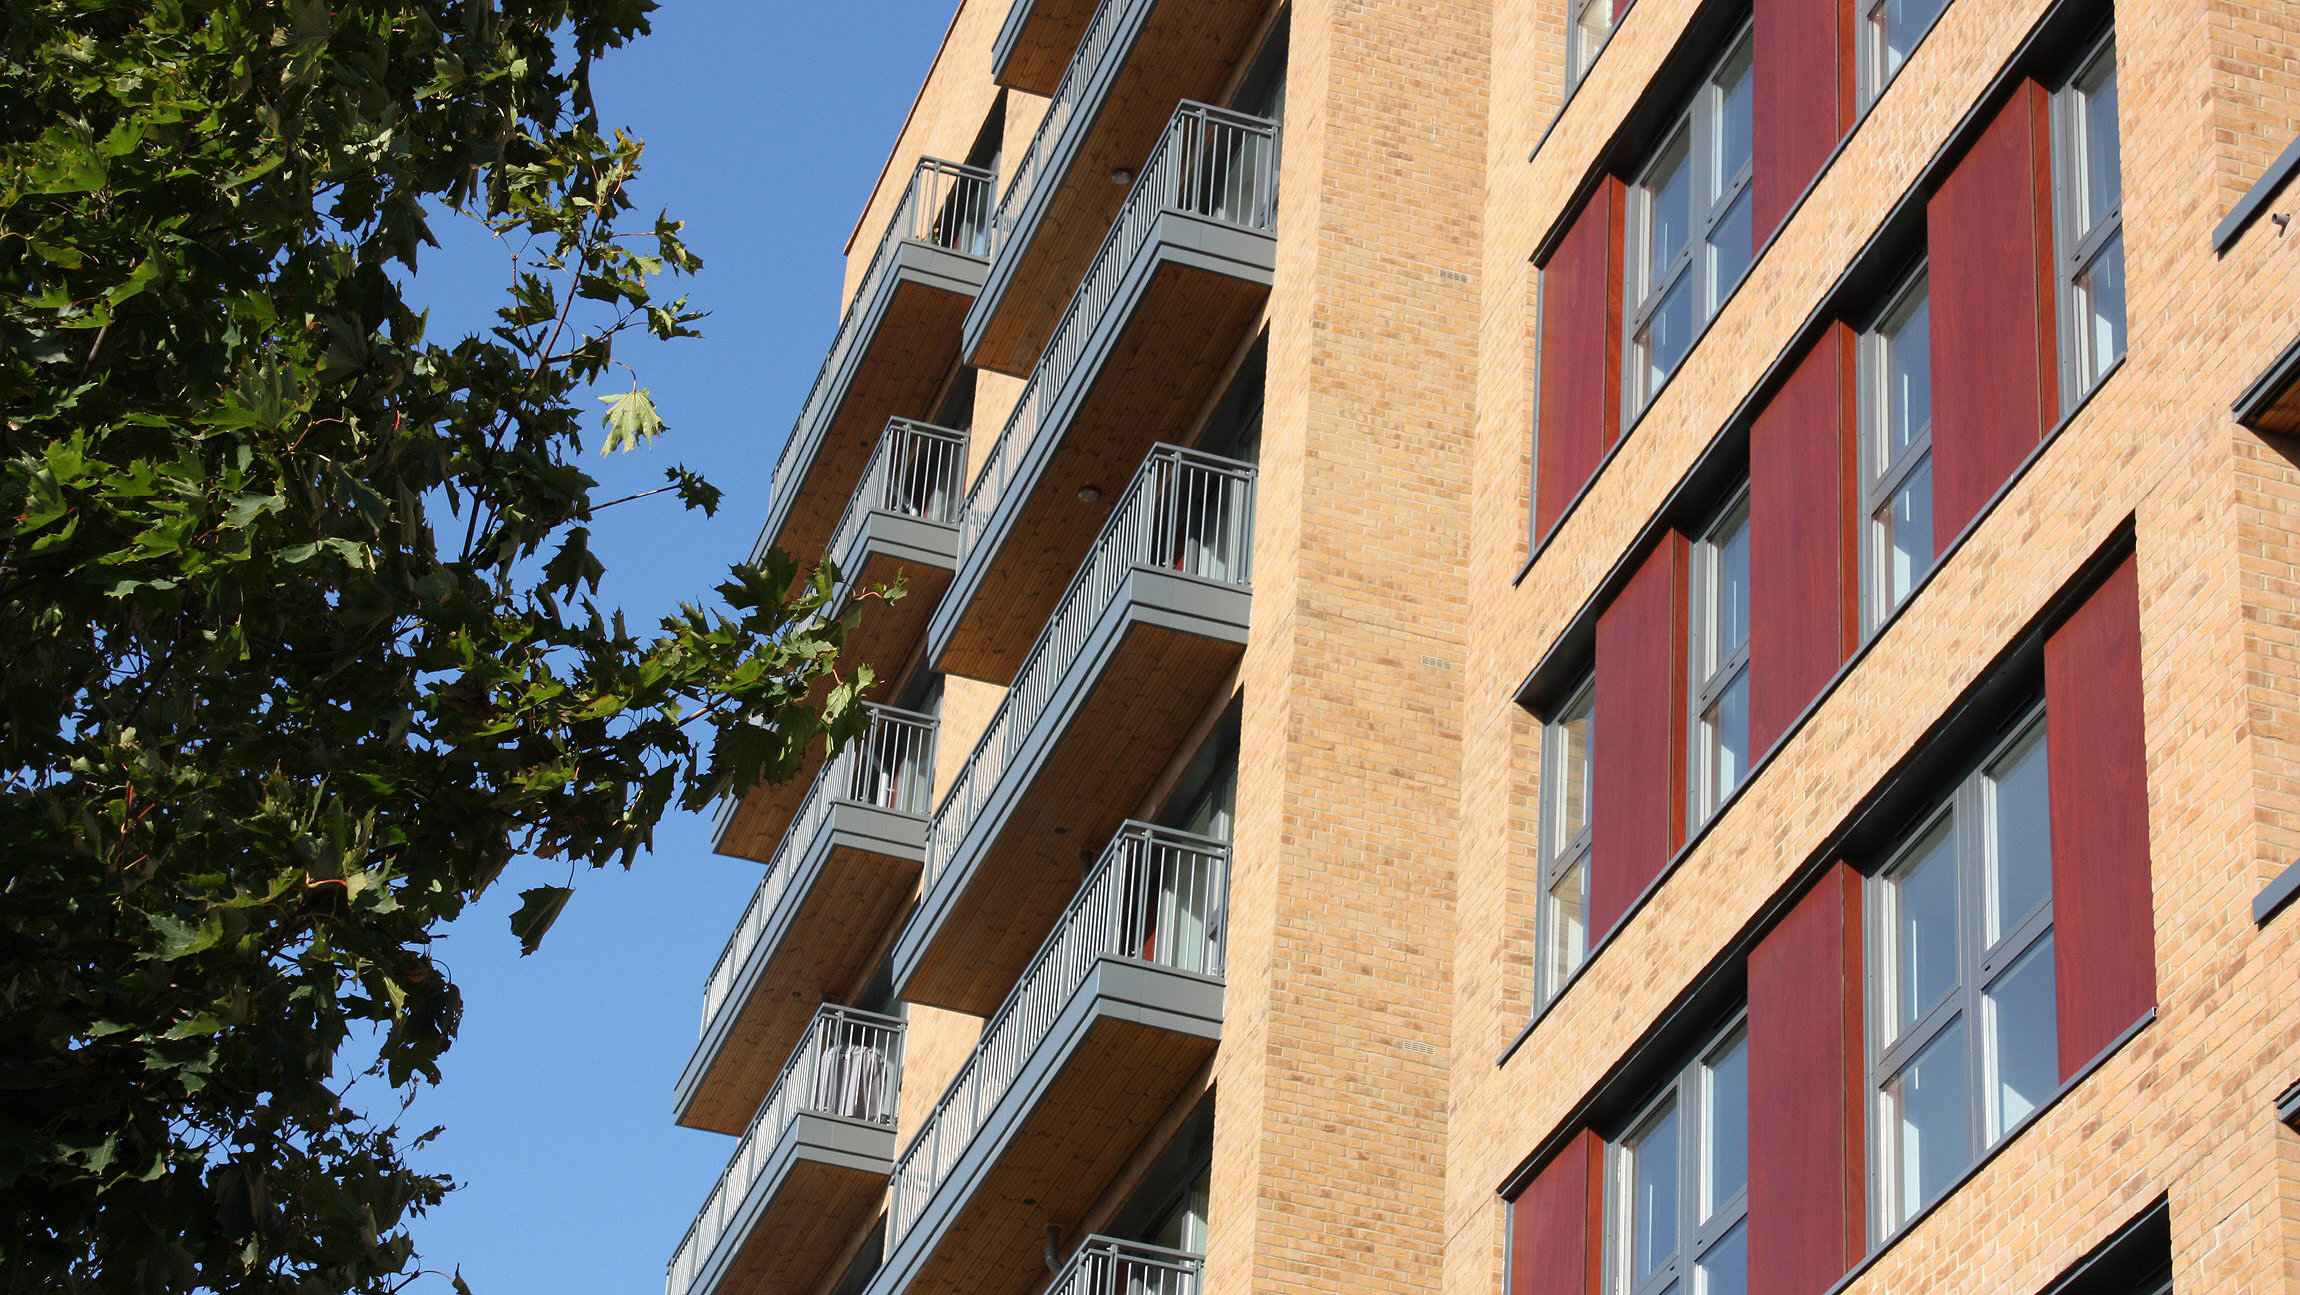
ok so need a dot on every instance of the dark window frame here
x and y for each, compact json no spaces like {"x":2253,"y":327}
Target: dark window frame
{"x":1699,"y":1230}
{"x":1881,"y":481}
{"x":2079,"y":248}
{"x":1557,"y":855}
{"x":1714,"y":668}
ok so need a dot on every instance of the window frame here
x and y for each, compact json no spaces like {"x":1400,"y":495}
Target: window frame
{"x":1705,"y":687}
{"x":1982,"y":965}
{"x":1878,"y":487}
{"x":1579,"y":58}
{"x":1697,"y":125}
{"x":1697,"y":1238}
{"x":1870,"y":75}
{"x":1555,"y":857}
{"x":2077,"y":248}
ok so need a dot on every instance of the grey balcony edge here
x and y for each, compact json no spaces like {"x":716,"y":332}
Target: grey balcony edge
{"x":1149,"y":596}
{"x":913,"y":262}
{"x":814,"y":1137}
{"x":849,"y":825}
{"x":914,"y":540}
{"x":1059,"y":157}
{"x":1177,"y":238}
{"x":1179,"y":1002}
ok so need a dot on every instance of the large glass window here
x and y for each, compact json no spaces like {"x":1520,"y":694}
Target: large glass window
{"x":1690,"y":234}
{"x":1678,"y":1190}
{"x":1719,"y":653}
{"x":1587,"y":24}
{"x":2089,"y":214}
{"x":1889,"y":30}
{"x":1897,"y":451}
{"x":1562,"y":939}
{"x":1961,"y":973}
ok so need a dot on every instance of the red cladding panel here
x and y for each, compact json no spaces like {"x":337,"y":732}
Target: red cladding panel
{"x":2104,"y":924}
{"x":1798,"y":64}
{"x":1580,"y":405}
{"x":1805,"y":1105}
{"x":1637,"y":807}
{"x":1801,"y":537}
{"x":1554,"y":1232}
{"x":1993,"y":352}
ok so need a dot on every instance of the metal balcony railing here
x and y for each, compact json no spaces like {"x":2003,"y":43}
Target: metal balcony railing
{"x":1157,"y":896}
{"x":945,"y":205}
{"x":1109,"y":1266}
{"x":1211,"y":162}
{"x":1186,"y":512}
{"x":916,"y":471}
{"x":891,"y":766}
{"x":849,"y":1065}
{"x":1110,"y":20}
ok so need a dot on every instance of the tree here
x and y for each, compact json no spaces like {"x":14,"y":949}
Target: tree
{"x":299,"y":613}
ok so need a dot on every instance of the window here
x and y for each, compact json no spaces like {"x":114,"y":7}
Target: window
{"x":1690,"y":237}
{"x":1889,"y":30}
{"x":1678,"y":1190}
{"x":1587,"y":24}
{"x":1720,"y":659}
{"x":1896,"y":452}
{"x":1561,"y":939}
{"x":2089,"y":211}
{"x":1961,"y":977}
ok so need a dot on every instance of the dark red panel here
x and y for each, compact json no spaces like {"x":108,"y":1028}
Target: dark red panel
{"x":1637,"y":807}
{"x":1554,"y":1224}
{"x":1620,"y":9}
{"x":2103,"y":911}
{"x":1805,"y":1103}
{"x":1797,"y":62}
{"x":1993,"y":349}
{"x":1801,"y":556}
{"x":1580,"y":402}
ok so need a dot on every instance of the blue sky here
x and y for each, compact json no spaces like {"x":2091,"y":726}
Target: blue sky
{"x":766,"y":123}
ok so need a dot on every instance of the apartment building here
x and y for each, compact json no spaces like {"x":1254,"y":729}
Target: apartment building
{"x":1548,"y":647}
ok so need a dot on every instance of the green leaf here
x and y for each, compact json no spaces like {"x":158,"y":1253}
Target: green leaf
{"x":631,"y":418}
{"x":539,"y":907}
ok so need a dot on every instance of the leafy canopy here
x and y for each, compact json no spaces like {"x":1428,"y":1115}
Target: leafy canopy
{"x":298,"y":602}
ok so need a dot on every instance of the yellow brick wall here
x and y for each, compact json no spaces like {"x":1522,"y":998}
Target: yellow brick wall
{"x":2255,"y":88}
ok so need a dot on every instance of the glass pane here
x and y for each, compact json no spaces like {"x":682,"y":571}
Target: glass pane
{"x":1569,"y":746}
{"x":1731,"y":245}
{"x":1725,"y":1269}
{"x":1589,"y":29}
{"x":1653,"y":1195}
{"x":2023,"y":1049}
{"x":2103,"y":168}
{"x":2020,"y":835}
{"x":1568,"y":926}
{"x":2100,"y":312}
{"x":1668,"y":211}
{"x":1726,"y":1128}
{"x":1908,"y":378}
{"x":1899,"y":23}
{"x":1726,"y":727}
{"x":1906,"y":542}
{"x":1922,"y":890}
{"x":1734,"y":117}
{"x":1668,"y":334}
{"x":1925,"y":1124}
{"x":1731,"y":546}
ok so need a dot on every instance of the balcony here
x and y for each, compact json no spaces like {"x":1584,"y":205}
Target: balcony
{"x":1137,"y":649}
{"x":1133,"y":63}
{"x":1118,"y":1011}
{"x":1035,"y":43}
{"x":1174,"y":292}
{"x":902,"y":523}
{"x":810,"y":1170}
{"x":1107,"y":1266}
{"x":894,"y":347}
{"x":836,"y":884}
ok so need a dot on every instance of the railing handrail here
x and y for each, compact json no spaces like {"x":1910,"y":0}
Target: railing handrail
{"x":836,"y":782}
{"x":1061,"y":106}
{"x":1160,"y":187}
{"x":1094,"y":925}
{"x":1186,"y":1267}
{"x":919,"y":217}
{"x":875,"y":492}
{"x":1063,"y":636}
{"x":831,"y":1042}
